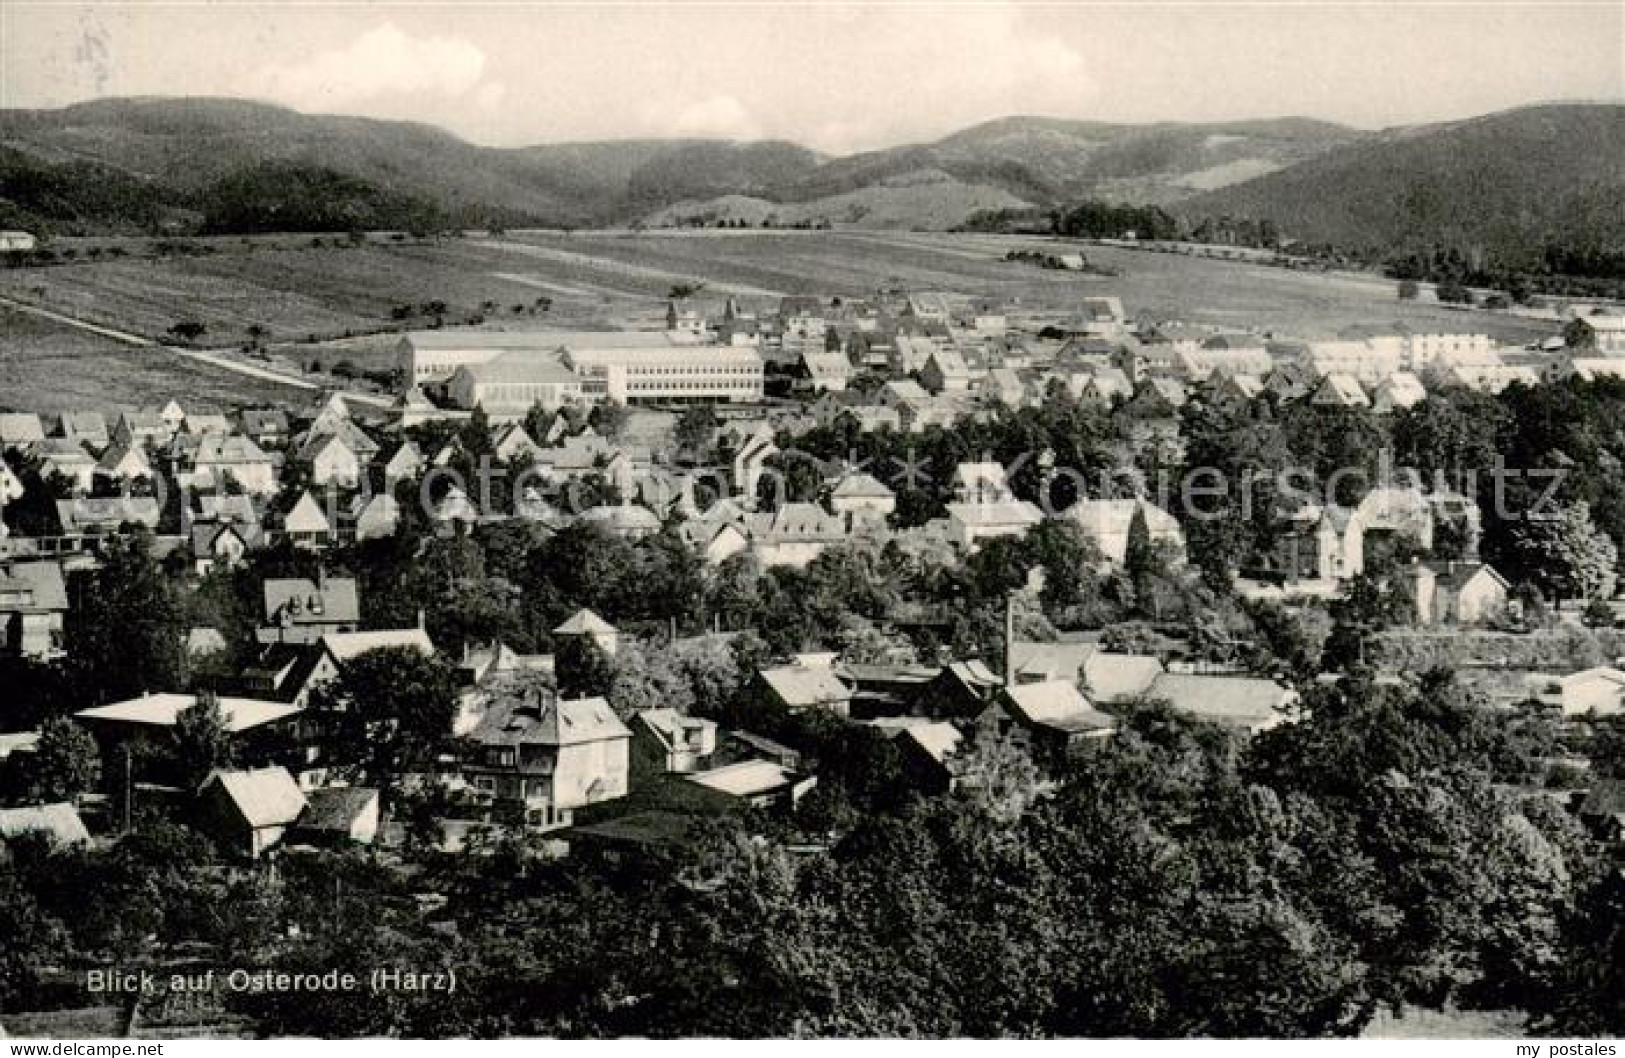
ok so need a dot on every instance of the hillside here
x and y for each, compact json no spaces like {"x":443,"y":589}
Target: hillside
{"x":1050,"y":161}
{"x":174,"y":157}
{"x":1506,"y":184}
{"x":927,"y":199}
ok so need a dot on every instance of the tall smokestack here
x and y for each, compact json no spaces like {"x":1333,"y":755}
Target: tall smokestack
{"x":1010,"y":639}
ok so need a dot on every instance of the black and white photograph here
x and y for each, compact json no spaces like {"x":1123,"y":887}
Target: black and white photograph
{"x":746,"y":521}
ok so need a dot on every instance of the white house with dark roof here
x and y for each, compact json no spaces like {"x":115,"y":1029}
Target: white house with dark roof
{"x":537,"y":757}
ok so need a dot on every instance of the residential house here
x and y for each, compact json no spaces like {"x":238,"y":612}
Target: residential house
{"x":666,"y":742}
{"x":984,"y":507}
{"x":930,"y":754}
{"x":946,"y":371}
{"x":1052,"y":718}
{"x":307,"y":524}
{"x":85,"y":428}
{"x":584,"y":624}
{"x":538,"y":758}
{"x":299,"y":610}
{"x":33,"y":606}
{"x":824,"y":372}
{"x":205,"y":422}
{"x":219,"y":458}
{"x":1457,"y":593}
{"x":20,"y":431}
{"x":249,"y":812}
{"x":222,"y":545}
{"x":406,"y":463}
{"x":764,"y":784}
{"x":375,"y":517}
{"x":106,"y":515}
{"x":266,"y":427}
{"x":144,"y":428}
{"x":339,"y":816}
{"x":67,"y":460}
{"x":1340,"y":390}
{"x":800,"y":688}
{"x":1399,"y":390}
{"x":124,"y":463}
{"x":331,"y":462}
{"x":511,"y":444}
{"x":1108,"y":524}
{"x":858,"y":492}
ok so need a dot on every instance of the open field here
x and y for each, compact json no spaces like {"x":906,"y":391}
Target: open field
{"x":51,"y":367}
{"x":335,"y":302}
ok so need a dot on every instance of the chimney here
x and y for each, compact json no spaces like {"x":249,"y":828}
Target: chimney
{"x":423,"y":622}
{"x":1010,"y":640}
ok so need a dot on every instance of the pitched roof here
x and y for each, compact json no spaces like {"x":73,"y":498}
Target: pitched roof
{"x":1059,"y":705}
{"x":803,"y":686}
{"x":939,"y":740}
{"x":584,"y":623}
{"x":337,"y":807}
{"x":60,"y":820}
{"x":266,"y":797}
{"x":747,"y":778}
{"x":857,"y":484}
{"x":18,"y":428}
{"x":1113,"y":677}
{"x":346,"y":645}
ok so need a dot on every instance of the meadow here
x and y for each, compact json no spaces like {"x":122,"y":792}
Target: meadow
{"x":50,"y":367}
{"x":324,"y":300}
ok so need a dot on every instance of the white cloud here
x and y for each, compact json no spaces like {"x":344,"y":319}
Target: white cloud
{"x":719,"y":117}
{"x":380,"y":63}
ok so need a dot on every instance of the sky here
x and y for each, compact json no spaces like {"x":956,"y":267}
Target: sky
{"x":837,"y":77}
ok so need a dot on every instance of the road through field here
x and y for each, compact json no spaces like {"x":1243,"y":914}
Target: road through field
{"x":213,"y":359}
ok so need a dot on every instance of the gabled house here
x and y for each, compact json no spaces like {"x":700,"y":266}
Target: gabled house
{"x":665,"y":741}
{"x":406,"y":463}
{"x":331,"y":461}
{"x":1457,"y":592}
{"x":219,"y":457}
{"x":266,"y":427}
{"x":376,"y":517}
{"x":144,"y":428}
{"x":799,"y":688}
{"x":946,"y":371}
{"x":339,"y":816}
{"x":1108,"y":524}
{"x":68,"y":460}
{"x":33,"y":606}
{"x":1340,"y":390}
{"x":1399,"y":390}
{"x":1053,"y":718}
{"x":511,"y":444}
{"x":1593,"y":692}
{"x":249,"y":812}
{"x":222,"y":544}
{"x":930,"y":754}
{"x":307,"y":524}
{"x":85,"y":428}
{"x":824,"y":372}
{"x":105,"y":515}
{"x":124,"y":463}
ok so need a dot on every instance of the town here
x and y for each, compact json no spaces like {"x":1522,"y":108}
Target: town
{"x":762,"y":607}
